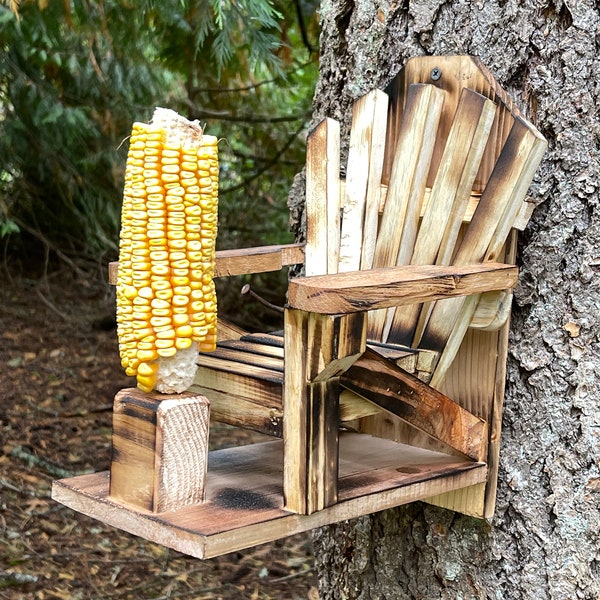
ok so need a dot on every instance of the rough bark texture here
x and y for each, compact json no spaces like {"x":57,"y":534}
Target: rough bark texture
{"x":544,"y":542}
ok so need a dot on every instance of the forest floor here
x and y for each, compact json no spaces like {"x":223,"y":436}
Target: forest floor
{"x":59,"y":371}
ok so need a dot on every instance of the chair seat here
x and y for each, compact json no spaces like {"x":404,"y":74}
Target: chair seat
{"x":246,"y":374}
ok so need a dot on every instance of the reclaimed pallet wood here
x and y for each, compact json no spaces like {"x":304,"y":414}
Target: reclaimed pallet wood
{"x":244,"y":506}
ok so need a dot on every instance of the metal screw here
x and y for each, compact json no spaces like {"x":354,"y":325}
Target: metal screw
{"x":436,"y":73}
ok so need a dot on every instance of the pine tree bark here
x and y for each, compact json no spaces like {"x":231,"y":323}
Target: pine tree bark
{"x":544,"y":541}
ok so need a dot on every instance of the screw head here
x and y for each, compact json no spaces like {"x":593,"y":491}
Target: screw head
{"x":436,"y":73}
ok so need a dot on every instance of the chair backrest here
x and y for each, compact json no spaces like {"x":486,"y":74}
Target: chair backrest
{"x":437,"y":172}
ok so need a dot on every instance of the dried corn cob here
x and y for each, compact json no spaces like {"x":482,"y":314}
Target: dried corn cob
{"x":166,"y":302}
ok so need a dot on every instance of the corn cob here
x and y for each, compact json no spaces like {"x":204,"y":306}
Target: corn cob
{"x":166,"y":301}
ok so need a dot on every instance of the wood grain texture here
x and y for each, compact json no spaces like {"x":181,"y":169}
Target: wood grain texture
{"x":412,"y":156}
{"x":323,"y":198}
{"x":318,"y":348}
{"x":395,"y":286}
{"x":227,"y":330}
{"x":257,"y":260}
{"x":405,"y":396}
{"x":439,"y":226}
{"x":458,"y":72}
{"x":367,"y":123}
{"x":244,"y":498}
{"x":488,"y":231}
{"x":377,"y":136}
{"x":159,"y":449}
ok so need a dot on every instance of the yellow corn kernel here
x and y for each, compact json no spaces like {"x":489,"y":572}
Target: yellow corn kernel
{"x":183,"y":343}
{"x":167,"y":352}
{"x":180,"y":319}
{"x":165,"y":300}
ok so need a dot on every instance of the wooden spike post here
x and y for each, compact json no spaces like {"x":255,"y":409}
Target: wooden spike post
{"x":160,"y":449}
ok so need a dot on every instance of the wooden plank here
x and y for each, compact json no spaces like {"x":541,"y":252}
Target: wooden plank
{"x":228,"y":331}
{"x":452,"y":186}
{"x":252,"y":400}
{"x":412,"y":158}
{"x":244,"y":501}
{"x":261,"y":386}
{"x":235,"y":369}
{"x":269,"y":339}
{"x":501,"y":200}
{"x":396,"y":391}
{"x":323,"y":198}
{"x":487,"y":232}
{"x":317,"y":349}
{"x":257,"y":260}
{"x":377,"y":136}
{"x":365,"y":117}
{"x":296,"y":426}
{"x":322,"y":438}
{"x":447,"y":201}
{"x":253,"y":347}
{"x":254,"y":359}
{"x":240,"y":412}
{"x":395,"y":286}
{"x":159,"y":449}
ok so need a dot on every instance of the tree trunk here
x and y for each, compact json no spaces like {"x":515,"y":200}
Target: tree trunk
{"x":544,"y":540}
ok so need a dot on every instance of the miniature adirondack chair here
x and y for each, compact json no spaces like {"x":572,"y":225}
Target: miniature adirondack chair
{"x":387,"y":383}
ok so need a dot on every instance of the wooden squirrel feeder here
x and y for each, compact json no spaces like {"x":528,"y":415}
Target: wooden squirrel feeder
{"x":386,"y":386}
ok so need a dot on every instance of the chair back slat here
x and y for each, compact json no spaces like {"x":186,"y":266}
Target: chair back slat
{"x":365,"y":162}
{"x":373,"y":197}
{"x":412,"y":159}
{"x":487,"y":232}
{"x":406,"y":189}
{"x":437,"y":172}
{"x":323,"y":199}
{"x":453,"y":73}
{"x":450,"y":194}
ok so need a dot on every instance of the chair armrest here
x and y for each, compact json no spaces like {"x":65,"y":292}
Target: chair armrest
{"x":245,"y":260}
{"x":261,"y":259}
{"x":358,"y":291}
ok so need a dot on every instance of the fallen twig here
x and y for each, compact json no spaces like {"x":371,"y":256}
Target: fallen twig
{"x":291,"y":576}
{"x":51,"y":306}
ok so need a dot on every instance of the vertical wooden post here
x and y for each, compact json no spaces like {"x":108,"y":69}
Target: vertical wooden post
{"x":318,"y":348}
{"x":160,"y":449}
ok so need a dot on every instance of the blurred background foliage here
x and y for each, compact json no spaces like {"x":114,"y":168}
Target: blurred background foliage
{"x":75,"y":75}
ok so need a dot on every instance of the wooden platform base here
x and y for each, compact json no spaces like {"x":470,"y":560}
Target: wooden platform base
{"x":243,"y":504}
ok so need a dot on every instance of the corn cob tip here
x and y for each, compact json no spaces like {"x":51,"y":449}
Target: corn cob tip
{"x":176,"y":374}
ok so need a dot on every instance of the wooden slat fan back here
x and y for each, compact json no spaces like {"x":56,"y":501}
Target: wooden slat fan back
{"x":449,"y":140}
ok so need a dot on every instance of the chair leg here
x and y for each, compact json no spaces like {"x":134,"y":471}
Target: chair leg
{"x":318,"y":348}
